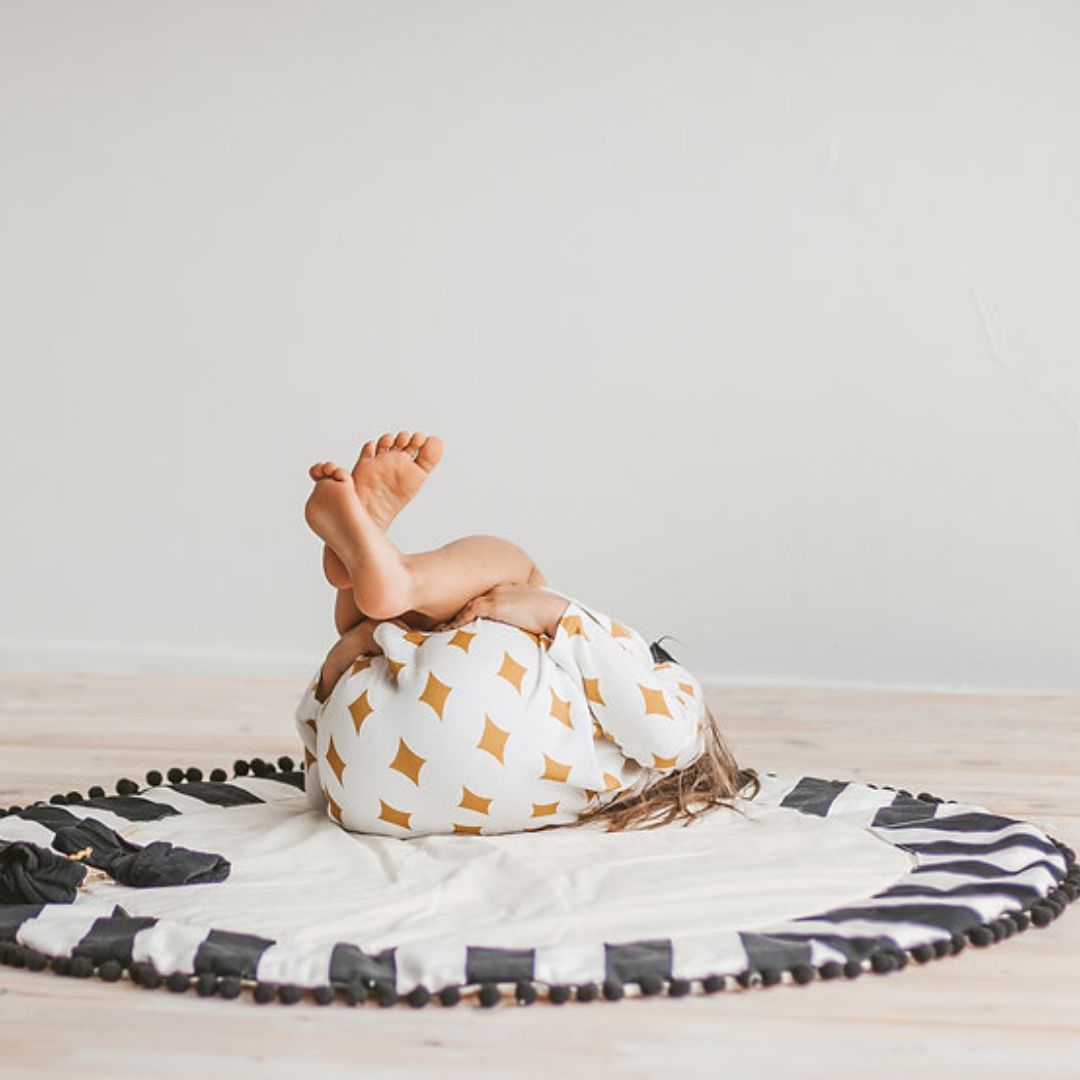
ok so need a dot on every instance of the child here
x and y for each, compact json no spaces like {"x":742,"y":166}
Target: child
{"x":465,"y":697}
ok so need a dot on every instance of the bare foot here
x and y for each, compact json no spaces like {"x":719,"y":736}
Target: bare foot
{"x":381,"y":584}
{"x":387,"y":475}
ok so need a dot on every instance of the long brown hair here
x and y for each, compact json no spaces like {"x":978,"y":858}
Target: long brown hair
{"x":715,"y":779}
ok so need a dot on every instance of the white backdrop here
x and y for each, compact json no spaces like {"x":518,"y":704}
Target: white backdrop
{"x":755,"y":322}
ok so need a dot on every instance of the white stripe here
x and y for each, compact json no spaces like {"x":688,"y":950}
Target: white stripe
{"x":186,"y":804}
{"x":859,"y":803}
{"x":305,"y":965}
{"x":17,"y":828}
{"x":698,"y":955}
{"x":555,"y":964}
{"x":168,"y":945}
{"x":60,"y":927}
{"x":267,"y":790}
{"x":434,"y":964}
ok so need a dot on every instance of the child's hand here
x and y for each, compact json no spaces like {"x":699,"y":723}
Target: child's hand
{"x":524,"y":606}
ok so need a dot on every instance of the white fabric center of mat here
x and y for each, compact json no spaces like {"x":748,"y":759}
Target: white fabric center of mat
{"x":298,"y":876}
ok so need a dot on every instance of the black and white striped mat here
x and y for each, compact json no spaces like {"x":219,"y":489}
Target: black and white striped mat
{"x":970,"y":877}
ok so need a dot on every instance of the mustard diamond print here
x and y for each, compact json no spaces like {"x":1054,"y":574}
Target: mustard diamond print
{"x":309,"y":757}
{"x":361,"y":665}
{"x":395,"y":667}
{"x":544,"y":809}
{"x":471,"y":801}
{"x":360,"y":709}
{"x":572,"y":625}
{"x":618,"y":630}
{"x":592,"y":691}
{"x":335,"y":760}
{"x":611,"y":782}
{"x":493,"y":740}
{"x":466,"y":830}
{"x":663,"y":762}
{"x":393,"y":815}
{"x":687,"y":688}
{"x":512,"y":671}
{"x":462,"y":639}
{"x":408,"y":763}
{"x":335,"y":810}
{"x":435,"y":694}
{"x":415,"y":637}
{"x":655,"y":705}
{"x":560,"y":710}
{"x":555,"y":770}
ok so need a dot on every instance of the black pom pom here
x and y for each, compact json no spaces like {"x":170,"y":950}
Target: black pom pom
{"x":18,"y":809}
{"x":16,"y":957}
{"x":194,"y":774}
{"x":612,"y":989}
{"x":802,"y":974}
{"x":154,"y":778}
{"x":258,"y":766}
{"x":96,"y":791}
{"x":1021,"y":921}
{"x":943,"y":948}
{"x":240,"y":767}
{"x":418,"y":997}
{"x":749,"y":978}
{"x":489,"y":995}
{"x":206,"y":984}
{"x":58,"y":799}
{"x":219,"y":776}
{"x":74,"y":797}
{"x":125,"y":786}
{"x":177,"y":982}
{"x":355,"y":994}
{"x":922,"y":953}
{"x":289,"y":994}
{"x":852,"y":969}
{"x":558,"y":994}
{"x":175,"y":775}
{"x":264,"y":993}
{"x":385,"y":995}
{"x":1041,"y":915}
{"x":651,"y":984}
{"x":82,"y":967}
{"x":831,"y":969}
{"x":323,"y":995}
{"x":678,"y":988}
{"x":110,"y":970}
{"x":146,"y":976}
{"x":450,"y":995}
{"x":980,"y":936}
{"x":35,"y":961}
{"x":770,"y":976}
{"x":60,"y":964}
{"x":286,"y":763}
{"x":229,"y":987}
{"x":959,"y":943}
{"x":586,"y":992}
{"x":713,"y":984}
{"x":525,"y":992}
{"x":883,"y":962}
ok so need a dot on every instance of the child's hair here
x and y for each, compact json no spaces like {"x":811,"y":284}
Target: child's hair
{"x":715,"y":779}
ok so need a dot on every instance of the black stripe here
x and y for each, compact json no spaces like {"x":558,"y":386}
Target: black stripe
{"x":955,"y":919}
{"x":1019,"y":892}
{"x":217,"y":794}
{"x":960,"y":847}
{"x":774,"y":950}
{"x":131,"y":807}
{"x":226,"y":953}
{"x":52,"y":817}
{"x":350,"y":965}
{"x":498,"y":965}
{"x":904,"y":810}
{"x":111,"y":937}
{"x":293,"y":779}
{"x":972,"y":822}
{"x":12,"y":916}
{"x":976,"y":869}
{"x":812,"y":795}
{"x":636,"y":959}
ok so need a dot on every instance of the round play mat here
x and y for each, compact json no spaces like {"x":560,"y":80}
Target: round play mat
{"x":227,"y":883}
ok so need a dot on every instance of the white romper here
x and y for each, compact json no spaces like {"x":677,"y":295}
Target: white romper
{"x":491,"y":729}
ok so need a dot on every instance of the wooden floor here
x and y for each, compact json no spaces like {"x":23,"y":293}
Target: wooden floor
{"x":1010,"y":1011}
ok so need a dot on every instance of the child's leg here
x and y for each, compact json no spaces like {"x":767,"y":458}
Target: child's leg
{"x":387,"y":583}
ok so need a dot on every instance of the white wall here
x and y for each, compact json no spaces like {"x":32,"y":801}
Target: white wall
{"x":756,"y":322}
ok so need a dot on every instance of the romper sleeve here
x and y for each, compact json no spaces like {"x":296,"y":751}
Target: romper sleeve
{"x":637,"y":703}
{"x":307,"y":724}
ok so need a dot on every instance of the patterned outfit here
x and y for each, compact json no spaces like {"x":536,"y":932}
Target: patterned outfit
{"x":491,"y":729}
